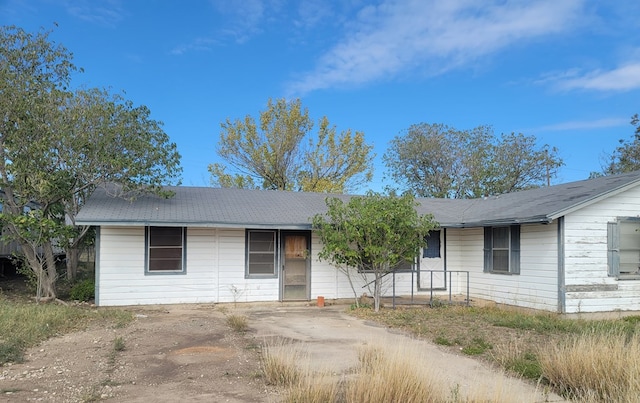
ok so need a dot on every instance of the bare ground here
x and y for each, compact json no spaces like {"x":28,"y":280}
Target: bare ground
{"x":188,"y":353}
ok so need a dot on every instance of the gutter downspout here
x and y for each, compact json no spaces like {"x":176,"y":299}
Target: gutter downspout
{"x":562,"y":303}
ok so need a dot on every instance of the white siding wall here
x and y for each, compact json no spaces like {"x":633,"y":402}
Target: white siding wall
{"x":535,"y":286}
{"x":122,"y":279}
{"x":331,"y":283}
{"x":214,"y":270}
{"x":231,"y":270}
{"x":589,"y":289}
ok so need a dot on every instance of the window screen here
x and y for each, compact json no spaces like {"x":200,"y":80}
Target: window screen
{"x":165,"y":249}
{"x":261,"y":252}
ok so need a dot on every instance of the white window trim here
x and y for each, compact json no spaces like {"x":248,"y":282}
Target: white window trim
{"x":614,"y":249}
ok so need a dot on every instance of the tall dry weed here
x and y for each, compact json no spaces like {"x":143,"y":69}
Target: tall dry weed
{"x":394,"y":374}
{"x":595,"y":366}
{"x":282,"y":362}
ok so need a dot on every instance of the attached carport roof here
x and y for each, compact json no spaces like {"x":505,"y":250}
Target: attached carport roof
{"x":239,"y":208}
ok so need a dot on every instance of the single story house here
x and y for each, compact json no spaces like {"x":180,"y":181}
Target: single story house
{"x":568,"y":248}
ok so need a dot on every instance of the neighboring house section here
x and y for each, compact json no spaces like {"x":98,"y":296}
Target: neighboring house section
{"x":568,"y":248}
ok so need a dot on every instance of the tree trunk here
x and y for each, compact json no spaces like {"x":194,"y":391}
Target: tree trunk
{"x":376,"y":292}
{"x":44,"y":268}
{"x":52,"y":270}
{"x":346,"y":272}
{"x":73,"y":257}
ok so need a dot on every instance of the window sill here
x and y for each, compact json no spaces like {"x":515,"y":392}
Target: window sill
{"x":627,"y":277}
{"x":259,"y":276}
{"x":164,"y":272}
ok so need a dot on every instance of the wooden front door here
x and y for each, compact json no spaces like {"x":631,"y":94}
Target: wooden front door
{"x":296,"y":265}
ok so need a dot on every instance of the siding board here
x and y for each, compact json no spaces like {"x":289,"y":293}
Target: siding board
{"x":586,"y":257}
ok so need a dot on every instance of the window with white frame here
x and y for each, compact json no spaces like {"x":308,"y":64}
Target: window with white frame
{"x":165,"y":249}
{"x":261,"y":253}
{"x":502,"y":249}
{"x":623,"y":244}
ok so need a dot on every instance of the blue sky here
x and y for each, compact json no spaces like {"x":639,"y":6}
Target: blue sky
{"x":565,"y":71}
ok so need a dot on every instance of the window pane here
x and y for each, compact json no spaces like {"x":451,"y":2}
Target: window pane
{"x":629,"y":262}
{"x":165,"y":264}
{"x":165,"y":236}
{"x":165,"y":253}
{"x":261,"y":263}
{"x":501,"y":237}
{"x":501,"y":260}
{"x":629,"y":247}
{"x":261,"y":254}
{"x":165,"y":259}
{"x":433,"y":245}
{"x":262,"y":241}
{"x":165,"y":249}
{"x":629,"y":235}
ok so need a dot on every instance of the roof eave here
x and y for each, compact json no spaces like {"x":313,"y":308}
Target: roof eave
{"x":203,"y":224}
{"x":500,"y":222}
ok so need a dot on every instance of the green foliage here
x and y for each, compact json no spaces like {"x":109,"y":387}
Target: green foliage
{"x":525,"y":365}
{"x":434,"y":160}
{"x":119,"y":344}
{"x":374,"y":233}
{"x":58,"y":144}
{"x":11,"y":351}
{"x":626,"y":157}
{"x":541,"y":322}
{"x":83,"y":290}
{"x":272,"y":154}
{"x":443,"y":341}
{"x":634,"y":319}
{"x":477,"y":346}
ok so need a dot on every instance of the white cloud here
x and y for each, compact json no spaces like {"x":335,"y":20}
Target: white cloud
{"x":313,"y":12}
{"x":107,"y":13}
{"x":399,"y":35}
{"x":198,"y":44}
{"x":622,"y":78}
{"x":245,"y":18}
{"x":242,"y":20}
{"x":582,"y":125}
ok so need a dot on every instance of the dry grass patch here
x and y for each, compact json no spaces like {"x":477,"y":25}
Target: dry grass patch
{"x":286,"y":363}
{"x":600,"y":363}
{"x":282,"y":362}
{"x":384,"y":373}
{"x":394,"y":374}
{"x":239,"y":323}
{"x":595,"y":366}
{"x":314,"y":387}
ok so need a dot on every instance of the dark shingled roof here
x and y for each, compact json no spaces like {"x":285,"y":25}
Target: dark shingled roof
{"x":205,"y":206}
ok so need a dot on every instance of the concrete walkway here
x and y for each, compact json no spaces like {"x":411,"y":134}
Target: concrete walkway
{"x":332,"y":339}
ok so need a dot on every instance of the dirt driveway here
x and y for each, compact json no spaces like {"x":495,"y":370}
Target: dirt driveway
{"x":188,"y":353}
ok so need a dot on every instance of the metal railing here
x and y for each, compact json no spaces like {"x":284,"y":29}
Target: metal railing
{"x":448,"y":282}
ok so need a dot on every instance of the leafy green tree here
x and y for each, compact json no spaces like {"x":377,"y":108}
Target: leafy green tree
{"x":57,"y":145}
{"x":280,"y":153}
{"x":435,"y":160}
{"x":626,"y":157}
{"x":371,"y":235}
